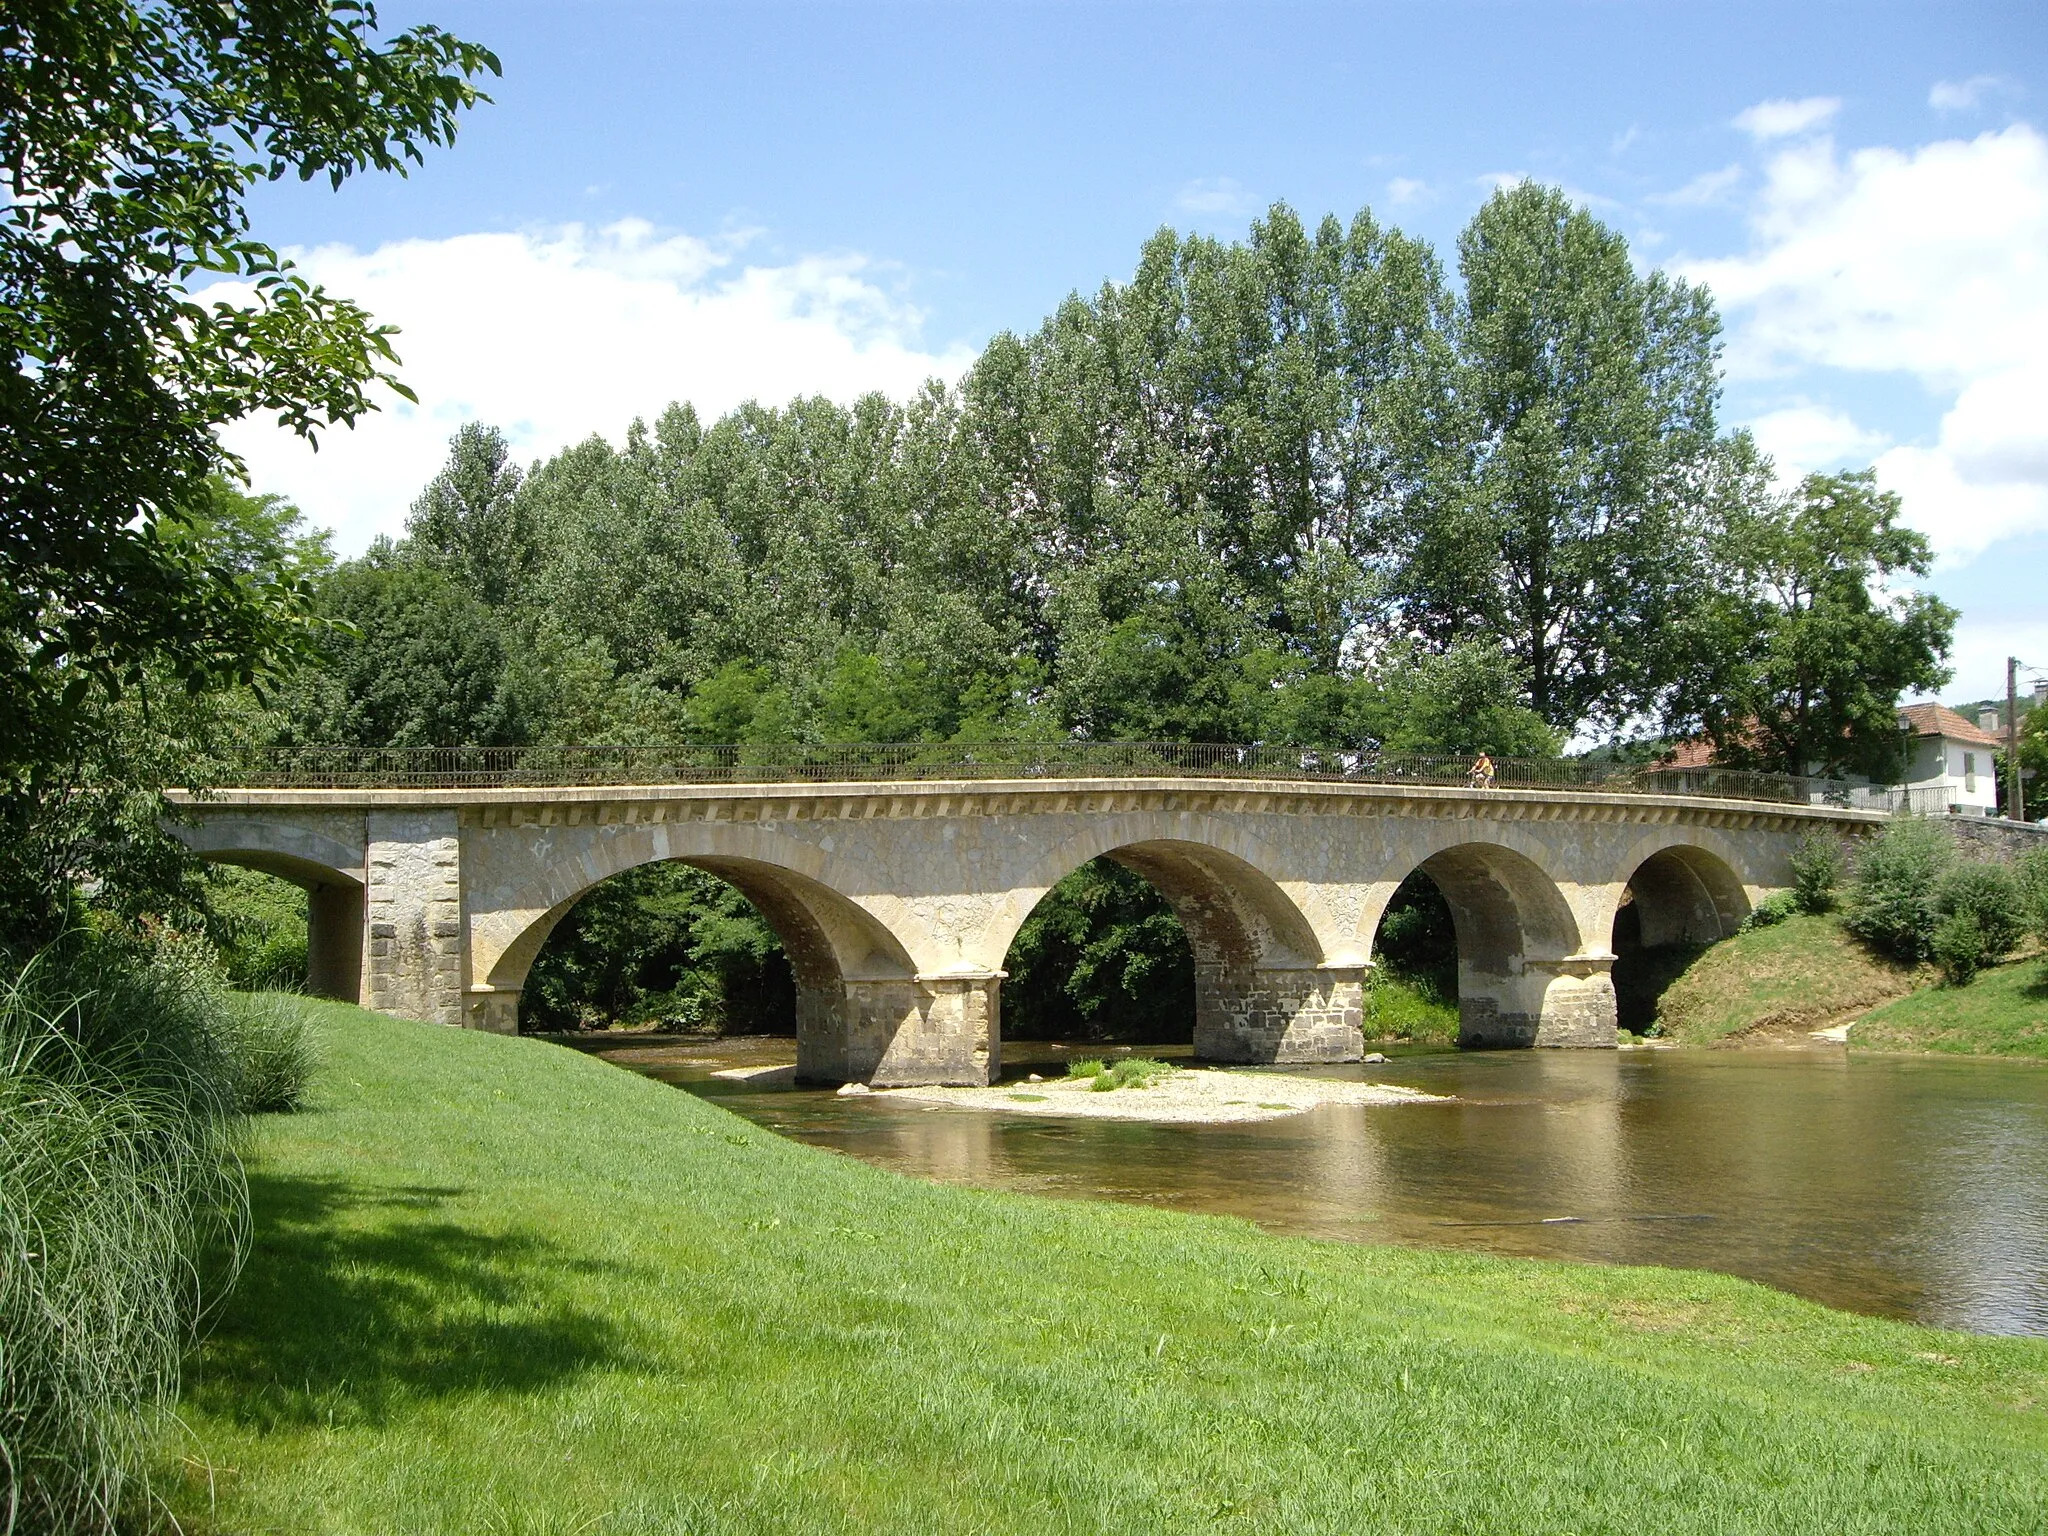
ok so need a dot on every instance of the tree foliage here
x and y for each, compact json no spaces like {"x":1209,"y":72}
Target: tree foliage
{"x":130,"y":134}
{"x":1586,"y":399}
{"x":1804,"y":652}
{"x":1102,"y":957}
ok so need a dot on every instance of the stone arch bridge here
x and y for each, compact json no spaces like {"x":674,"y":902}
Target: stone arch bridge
{"x":896,"y":902}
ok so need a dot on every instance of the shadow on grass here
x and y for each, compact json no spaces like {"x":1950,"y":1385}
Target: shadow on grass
{"x":2036,"y":989}
{"x":357,"y":1302}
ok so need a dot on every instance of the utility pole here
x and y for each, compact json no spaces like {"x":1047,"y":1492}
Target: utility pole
{"x":2015,"y":807}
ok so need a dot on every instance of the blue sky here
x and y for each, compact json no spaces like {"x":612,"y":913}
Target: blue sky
{"x":716,"y":201}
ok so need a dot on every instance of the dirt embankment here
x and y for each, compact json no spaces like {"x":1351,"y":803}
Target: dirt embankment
{"x":1777,"y":985}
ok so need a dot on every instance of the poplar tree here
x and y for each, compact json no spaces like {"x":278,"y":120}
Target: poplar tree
{"x":1571,"y":519}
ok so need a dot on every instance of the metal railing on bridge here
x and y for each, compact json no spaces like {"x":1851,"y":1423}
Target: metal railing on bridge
{"x":319,"y":767}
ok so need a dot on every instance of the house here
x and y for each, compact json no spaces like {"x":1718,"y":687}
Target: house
{"x":1949,"y":765}
{"x":1949,"y":769}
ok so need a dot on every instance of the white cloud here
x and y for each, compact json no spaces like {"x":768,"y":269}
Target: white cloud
{"x":1781,"y":119}
{"x":1216,"y":196}
{"x":1403,"y":190}
{"x":1704,"y":189}
{"x":1930,"y":263}
{"x":557,"y":335}
{"x":1804,"y":438}
{"x":1962,"y":95}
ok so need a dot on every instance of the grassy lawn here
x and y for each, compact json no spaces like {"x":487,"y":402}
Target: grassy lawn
{"x":1801,"y":974}
{"x":2002,"y":1012}
{"x":499,"y":1286}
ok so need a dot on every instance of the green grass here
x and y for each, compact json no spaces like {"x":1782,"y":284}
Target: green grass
{"x":1127,"y":1072}
{"x":2002,"y":1012}
{"x":1402,"y":1010}
{"x":498,"y":1286}
{"x":1801,"y":974}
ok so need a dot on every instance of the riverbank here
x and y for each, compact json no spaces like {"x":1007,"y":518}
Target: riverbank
{"x":499,"y":1286}
{"x":1807,"y":978}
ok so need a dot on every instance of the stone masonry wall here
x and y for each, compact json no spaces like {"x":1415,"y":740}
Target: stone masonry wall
{"x":415,"y":964}
{"x":1262,"y":1014}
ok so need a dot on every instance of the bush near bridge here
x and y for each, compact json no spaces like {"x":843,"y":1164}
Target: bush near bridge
{"x":500,"y":1286}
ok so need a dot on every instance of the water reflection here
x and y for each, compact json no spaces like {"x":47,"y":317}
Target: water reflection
{"x":1901,"y":1186}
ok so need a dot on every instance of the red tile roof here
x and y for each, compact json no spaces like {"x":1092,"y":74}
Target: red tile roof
{"x":1915,"y":719}
{"x":1940,"y":720}
{"x":1690,"y":754}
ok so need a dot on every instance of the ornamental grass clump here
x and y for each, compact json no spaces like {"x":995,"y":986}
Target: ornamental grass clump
{"x":270,"y":1051}
{"x":1131,"y":1072}
{"x":122,"y":1214}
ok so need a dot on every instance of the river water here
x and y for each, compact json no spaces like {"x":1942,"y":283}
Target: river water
{"x":1903,"y":1186}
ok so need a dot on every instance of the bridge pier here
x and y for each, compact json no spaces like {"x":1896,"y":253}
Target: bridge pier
{"x":1564,"y":1003}
{"x":900,"y":1034}
{"x":1265,"y":1014}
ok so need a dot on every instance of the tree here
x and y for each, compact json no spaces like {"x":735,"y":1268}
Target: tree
{"x":1588,"y":397}
{"x":2033,"y":756}
{"x":413,"y":660}
{"x":130,"y":134}
{"x":1803,"y":655}
{"x":92,"y":802}
{"x":1461,"y":701}
{"x":470,"y":520}
{"x":1101,"y":957}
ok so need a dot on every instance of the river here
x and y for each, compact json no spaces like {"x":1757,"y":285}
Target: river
{"x":1908,"y":1187}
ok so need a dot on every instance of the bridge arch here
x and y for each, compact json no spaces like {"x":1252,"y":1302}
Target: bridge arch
{"x":1523,"y":978}
{"x":325,"y":862}
{"x":855,"y":980}
{"x":1221,"y":866}
{"x":1682,"y":893}
{"x":1263,"y":991}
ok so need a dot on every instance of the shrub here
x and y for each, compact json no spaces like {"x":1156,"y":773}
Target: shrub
{"x":122,"y":1209}
{"x":260,"y":928}
{"x":1959,"y":947}
{"x":1816,"y":872}
{"x":1989,"y":895}
{"x":1771,"y":911}
{"x":2031,"y":875}
{"x":271,"y":1052}
{"x":1891,"y":901}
